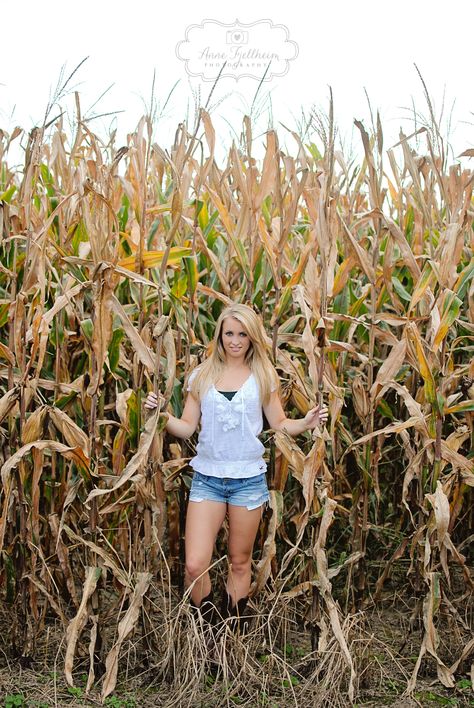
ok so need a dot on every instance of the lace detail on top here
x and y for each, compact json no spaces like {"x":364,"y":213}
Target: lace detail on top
{"x":228,"y":411}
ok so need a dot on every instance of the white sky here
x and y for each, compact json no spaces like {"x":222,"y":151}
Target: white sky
{"x":347,"y":44}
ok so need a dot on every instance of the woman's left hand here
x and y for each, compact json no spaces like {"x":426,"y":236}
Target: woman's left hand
{"x":316,"y":417}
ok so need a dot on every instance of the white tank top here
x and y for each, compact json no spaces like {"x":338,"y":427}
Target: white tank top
{"x":228,"y":444}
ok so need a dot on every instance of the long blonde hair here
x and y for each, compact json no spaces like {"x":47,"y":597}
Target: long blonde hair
{"x":256,"y":358}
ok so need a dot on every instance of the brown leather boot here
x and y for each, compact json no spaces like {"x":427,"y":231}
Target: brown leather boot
{"x":239,"y":621}
{"x":206,"y":609}
{"x":208,"y":617}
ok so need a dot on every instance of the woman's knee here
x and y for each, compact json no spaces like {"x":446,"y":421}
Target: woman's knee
{"x":195,"y":567}
{"x":240,"y":564}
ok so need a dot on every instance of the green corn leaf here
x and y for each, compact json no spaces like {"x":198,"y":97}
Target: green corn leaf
{"x":7,"y":195}
{"x":190,"y":265}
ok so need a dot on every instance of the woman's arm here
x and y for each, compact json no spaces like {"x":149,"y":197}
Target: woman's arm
{"x":277,"y":419}
{"x":182,"y":427}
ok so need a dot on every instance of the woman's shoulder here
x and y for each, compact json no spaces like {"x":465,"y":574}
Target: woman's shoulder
{"x":192,"y":375}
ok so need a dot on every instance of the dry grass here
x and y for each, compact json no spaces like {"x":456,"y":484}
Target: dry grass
{"x":171,"y":660}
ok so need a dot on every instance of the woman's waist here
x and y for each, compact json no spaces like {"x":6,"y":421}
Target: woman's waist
{"x":228,"y":468}
{"x":229,"y":454}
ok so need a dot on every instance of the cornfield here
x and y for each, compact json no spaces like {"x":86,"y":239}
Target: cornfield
{"x":115,"y":264}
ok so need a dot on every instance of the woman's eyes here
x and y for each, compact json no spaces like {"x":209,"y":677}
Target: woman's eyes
{"x":230,"y":334}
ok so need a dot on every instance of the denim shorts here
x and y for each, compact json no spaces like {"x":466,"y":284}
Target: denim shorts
{"x":251,"y":492}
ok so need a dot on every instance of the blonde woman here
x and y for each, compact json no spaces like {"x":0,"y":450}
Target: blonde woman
{"x":226,"y":395}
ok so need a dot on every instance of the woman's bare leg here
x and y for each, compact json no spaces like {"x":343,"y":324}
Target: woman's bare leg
{"x":203,"y":521}
{"x":243,"y":527}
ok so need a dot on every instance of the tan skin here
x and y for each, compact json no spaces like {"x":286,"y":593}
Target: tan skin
{"x":204,"y":519}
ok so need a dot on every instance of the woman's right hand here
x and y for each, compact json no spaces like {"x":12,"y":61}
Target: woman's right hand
{"x":152,"y":401}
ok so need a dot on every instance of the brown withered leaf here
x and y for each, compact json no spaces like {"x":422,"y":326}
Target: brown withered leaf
{"x":63,"y":556}
{"x":137,"y":462}
{"x":292,"y":452}
{"x":79,"y":621}
{"x":360,"y":399}
{"x":440,"y":503}
{"x":430,"y":639}
{"x":107,"y":558}
{"x":52,"y":601}
{"x":71,"y":453}
{"x":170,"y":355}
{"x":264,"y":565}
{"x":121,"y":405}
{"x":105,"y":281}
{"x":390,"y":367}
{"x":125,"y":627}
{"x":312,"y":465}
{"x":7,"y":402}
{"x":142,"y":351}
{"x":448,"y":253}
{"x":361,"y":254}
{"x":93,"y":639}
{"x":388,"y":430}
{"x":319,"y":552}
{"x":269,"y":169}
{"x":73,"y":435}
{"x":404,"y":246}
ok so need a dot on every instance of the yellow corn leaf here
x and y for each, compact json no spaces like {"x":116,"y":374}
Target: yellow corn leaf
{"x":424,"y":366}
{"x":170,"y":355}
{"x":425,"y":282}
{"x":360,"y":399}
{"x":54,"y":604}
{"x":7,"y":354}
{"x":215,"y":263}
{"x":62,"y":552}
{"x":448,"y":253}
{"x":269,"y":247}
{"x":269,"y":169}
{"x":159,"y":209}
{"x":153,"y":259}
{"x":404,"y":246}
{"x":450,"y":307}
{"x":462,"y":407}
{"x":343,"y":272}
{"x":214,"y":294}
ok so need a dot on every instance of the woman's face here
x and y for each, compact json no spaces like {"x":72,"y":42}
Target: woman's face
{"x":235,"y":340}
